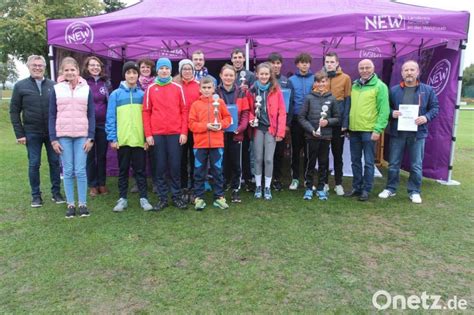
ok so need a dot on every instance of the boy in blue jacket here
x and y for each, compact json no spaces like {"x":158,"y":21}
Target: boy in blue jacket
{"x":124,"y":128}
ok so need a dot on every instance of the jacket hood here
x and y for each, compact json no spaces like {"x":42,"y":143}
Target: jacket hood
{"x":81,"y":80}
{"x":309,"y":73}
{"x":124,"y":86}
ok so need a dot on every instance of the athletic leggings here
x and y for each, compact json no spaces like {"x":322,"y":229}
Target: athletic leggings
{"x":264,"y":149}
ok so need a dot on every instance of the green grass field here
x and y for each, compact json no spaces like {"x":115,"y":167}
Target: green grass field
{"x":282,"y":256}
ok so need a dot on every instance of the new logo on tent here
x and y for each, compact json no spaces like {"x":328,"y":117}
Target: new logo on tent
{"x":439,"y":75}
{"x":79,"y":33}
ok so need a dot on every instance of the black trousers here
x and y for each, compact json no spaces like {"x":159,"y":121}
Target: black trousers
{"x":337,"y":146}
{"x":187,"y":163}
{"x":246,"y":171}
{"x":318,"y":150}
{"x":134,"y":156}
{"x":278,"y":160}
{"x":298,"y":143}
{"x":232,"y":161}
{"x":96,"y":160}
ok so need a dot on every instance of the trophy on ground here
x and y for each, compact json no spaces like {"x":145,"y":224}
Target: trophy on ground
{"x":258,"y":105}
{"x":216,"y":104}
{"x":324,"y":114}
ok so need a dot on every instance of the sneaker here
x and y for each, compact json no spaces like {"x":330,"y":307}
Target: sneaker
{"x":249,"y":186}
{"x":339,"y":190}
{"x":71,"y":212}
{"x":36,"y":202}
{"x":386,"y":194}
{"x":277,"y":185}
{"x":162,"y":204}
{"x":322,"y":195}
{"x":145,"y":204}
{"x":220,"y":203}
{"x":199,"y":204}
{"x":308,"y":194}
{"x":258,"y":192}
{"x":364,"y":196}
{"x":415,"y":198}
{"x":134,"y":189}
{"x":326,"y":188}
{"x":235,"y":197}
{"x":58,"y":199}
{"x":83,"y":211}
{"x":179,"y":203}
{"x":353,"y":193}
{"x":294,"y":184}
{"x":122,"y":203}
{"x":267,"y":194}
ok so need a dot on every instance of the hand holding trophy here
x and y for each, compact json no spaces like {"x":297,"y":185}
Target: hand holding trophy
{"x":324,"y":115}
{"x":258,"y":105}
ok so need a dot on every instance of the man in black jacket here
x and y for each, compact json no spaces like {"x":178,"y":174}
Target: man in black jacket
{"x":29,"y":108}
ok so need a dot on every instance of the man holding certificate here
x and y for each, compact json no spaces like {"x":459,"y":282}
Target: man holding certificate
{"x":412,"y":105}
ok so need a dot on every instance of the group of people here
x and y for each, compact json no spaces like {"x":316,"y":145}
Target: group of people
{"x":183,"y":128}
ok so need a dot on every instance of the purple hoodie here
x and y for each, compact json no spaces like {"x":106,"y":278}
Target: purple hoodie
{"x":100,"y":90}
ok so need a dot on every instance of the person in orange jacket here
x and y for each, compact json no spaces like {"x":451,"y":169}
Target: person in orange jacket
{"x":269,"y":121}
{"x":207,"y":122}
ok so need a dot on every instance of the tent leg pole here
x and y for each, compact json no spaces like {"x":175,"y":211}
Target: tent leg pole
{"x":51,"y":63}
{"x":450,"y":181}
{"x":247,"y":52}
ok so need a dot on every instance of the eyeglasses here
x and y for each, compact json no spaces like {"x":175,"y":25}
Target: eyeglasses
{"x":94,"y":65}
{"x":187,"y":69}
{"x":37,"y":66}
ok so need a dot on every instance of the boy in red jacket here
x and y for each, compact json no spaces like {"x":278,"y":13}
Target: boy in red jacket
{"x":165,"y":120}
{"x":207,"y":122}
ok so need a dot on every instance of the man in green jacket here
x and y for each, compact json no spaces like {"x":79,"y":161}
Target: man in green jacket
{"x":368,"y":117}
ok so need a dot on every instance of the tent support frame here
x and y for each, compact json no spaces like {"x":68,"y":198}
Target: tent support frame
{"x":51,"y":62}
{"x":450,"y":181}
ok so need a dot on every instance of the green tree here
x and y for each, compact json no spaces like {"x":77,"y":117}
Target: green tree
{"x":113,"y":5}
{"x":8,"y":72}
{"x":468,"y":82}
{"x":23,"y":23}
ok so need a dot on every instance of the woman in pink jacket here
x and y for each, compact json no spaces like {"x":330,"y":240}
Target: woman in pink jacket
{"x":72,"y":130}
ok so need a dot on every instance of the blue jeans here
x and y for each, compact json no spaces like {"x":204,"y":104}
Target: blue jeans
{"x":416,"y":151}
{"x":361,"y":143}
{"x":34,"y":145}
{"x":74,"y":160}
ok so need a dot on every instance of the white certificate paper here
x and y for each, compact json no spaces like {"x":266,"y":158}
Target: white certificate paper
{"x":406,"y":121}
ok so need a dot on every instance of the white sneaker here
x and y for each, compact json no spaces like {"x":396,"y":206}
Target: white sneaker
{"x":122,"y":203}
{"x":386,"y":194}
{"x":339,"y":190}
{"x":145,"y":204}
{"x":294,"y":184}
{"x":326,"y":188}
{"x":415,"y":198}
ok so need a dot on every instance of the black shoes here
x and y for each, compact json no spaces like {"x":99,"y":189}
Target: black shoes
{"x":180,"y":203}
{"x":161,"y":205}
{"x":277,"y":185}
{"x":364,"y":196}
{"x":71,"y":212}
{"x":58,"y":199}
{"x":36,"y":202}
{"x":83,"y":211}
{"x":235,"y":197}
{"x":353,"y":193}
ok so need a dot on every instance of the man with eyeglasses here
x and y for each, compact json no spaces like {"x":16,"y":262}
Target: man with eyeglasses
{"x":368,"y":117}
{"x":29,"y":107}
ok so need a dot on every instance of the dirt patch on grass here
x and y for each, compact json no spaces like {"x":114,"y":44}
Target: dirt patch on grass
{"x":121,"y":305}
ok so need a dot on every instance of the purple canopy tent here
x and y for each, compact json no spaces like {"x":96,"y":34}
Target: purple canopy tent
{"x":376,"y":29}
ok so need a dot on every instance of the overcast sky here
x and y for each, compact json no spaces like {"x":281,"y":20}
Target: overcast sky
{"x":458,"y":5}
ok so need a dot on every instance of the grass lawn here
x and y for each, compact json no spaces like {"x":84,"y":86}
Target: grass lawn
{"x":282,"y":256}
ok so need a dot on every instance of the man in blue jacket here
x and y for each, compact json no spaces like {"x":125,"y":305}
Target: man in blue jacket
{"x":29,"y":108}
{"x":409,"y":91}
{"x":302,"y":82}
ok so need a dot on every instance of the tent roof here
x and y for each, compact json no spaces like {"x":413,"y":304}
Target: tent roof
{"x":353,"y":28}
